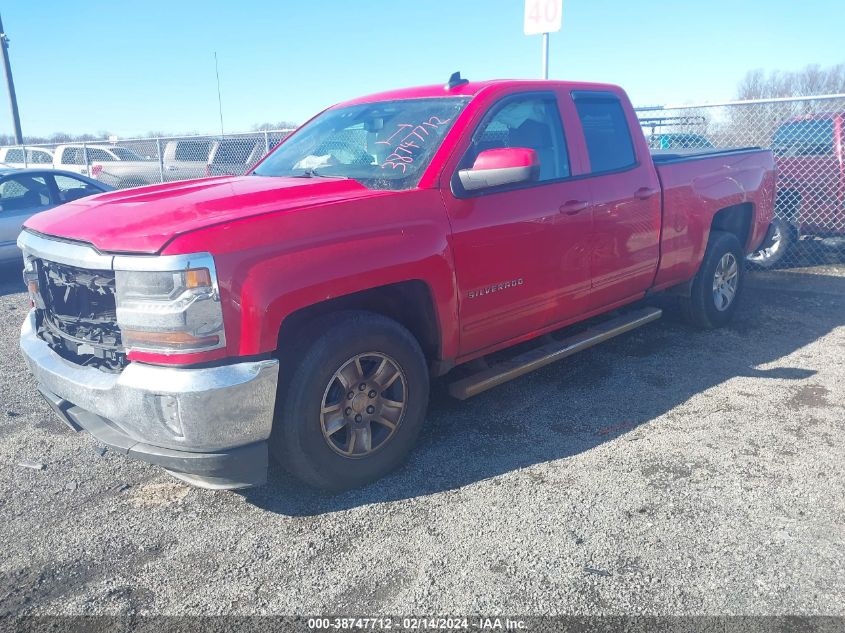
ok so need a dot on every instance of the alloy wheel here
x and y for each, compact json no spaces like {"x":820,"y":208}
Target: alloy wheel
{"x":363,"y":404}
{"x":725,"y":282}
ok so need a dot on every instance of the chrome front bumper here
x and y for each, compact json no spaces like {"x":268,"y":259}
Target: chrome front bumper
{"x":202,"y":420}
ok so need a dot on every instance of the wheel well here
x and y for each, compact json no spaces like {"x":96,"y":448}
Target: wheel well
{"x":409,"y":303}
{"x":735,"y":219}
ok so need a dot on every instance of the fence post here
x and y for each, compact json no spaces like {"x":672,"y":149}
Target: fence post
{"x":266,"y":142}
{"x":160,"y":160}
{"x":25,"y":161}
{"x":87,"y":171}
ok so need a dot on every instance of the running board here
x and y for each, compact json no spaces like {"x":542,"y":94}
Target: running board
{"x":550,"y":352}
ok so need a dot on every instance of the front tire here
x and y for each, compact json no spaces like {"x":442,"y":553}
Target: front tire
{"x":355,"y":403}
{"x":718,"y":284}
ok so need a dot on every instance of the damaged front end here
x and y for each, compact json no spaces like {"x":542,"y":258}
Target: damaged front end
{"x":76,"y":313}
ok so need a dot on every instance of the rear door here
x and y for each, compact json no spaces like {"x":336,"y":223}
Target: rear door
{"x":520,"y":251}
{"x":626,"y":196}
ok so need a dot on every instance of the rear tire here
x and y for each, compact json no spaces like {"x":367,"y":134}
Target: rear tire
{"x":352,"y":408}
{"x":783,"y":239}
{"x":718,"y":284}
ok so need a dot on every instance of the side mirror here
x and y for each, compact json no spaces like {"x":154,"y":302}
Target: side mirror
{"x":505,"y":166}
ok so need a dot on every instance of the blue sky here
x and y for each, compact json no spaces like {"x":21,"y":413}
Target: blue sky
{"x":133,"y":67}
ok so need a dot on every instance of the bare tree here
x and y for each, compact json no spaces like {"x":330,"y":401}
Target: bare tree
{"x":758,"y":84}
{"x":810,"y":80}
{"x":281,"y":125}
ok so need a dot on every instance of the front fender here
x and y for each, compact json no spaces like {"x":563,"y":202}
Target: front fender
{"x":273,"y":265}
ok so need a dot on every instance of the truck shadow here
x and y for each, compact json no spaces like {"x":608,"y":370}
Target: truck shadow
{"x":11,"y":280}
{"x":602,"y":395}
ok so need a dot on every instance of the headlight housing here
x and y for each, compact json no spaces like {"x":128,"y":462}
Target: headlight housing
{"x":169,"y":304}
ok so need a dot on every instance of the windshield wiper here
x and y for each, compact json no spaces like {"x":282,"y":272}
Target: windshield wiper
{"x":311,"y":172}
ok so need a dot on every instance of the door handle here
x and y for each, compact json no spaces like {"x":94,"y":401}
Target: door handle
{"x":573,"y":207}
{"x":644,"y":193}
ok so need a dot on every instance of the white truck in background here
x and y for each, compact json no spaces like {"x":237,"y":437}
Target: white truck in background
{"x":24,"y":157}
{"x":116,"y":166}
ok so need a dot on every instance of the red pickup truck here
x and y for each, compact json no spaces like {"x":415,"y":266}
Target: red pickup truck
{"x":302,"y":309}
{"x":810,"y":159}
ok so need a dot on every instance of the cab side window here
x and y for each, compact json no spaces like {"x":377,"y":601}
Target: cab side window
{"x":99,"y":155}
{"x":14,"y":156}
{"x":72,"y":156}
{"x":532,"y":122}
{"x":606,"y":132}
{"x":37,"y":157}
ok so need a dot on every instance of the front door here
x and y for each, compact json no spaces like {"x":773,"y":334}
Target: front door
{"x":521,"y":252}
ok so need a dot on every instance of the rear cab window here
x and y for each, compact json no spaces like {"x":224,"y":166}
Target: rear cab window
{"x":610,"y":146}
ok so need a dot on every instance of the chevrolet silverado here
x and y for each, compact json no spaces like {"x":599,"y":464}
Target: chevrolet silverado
{"x":475,"y":231}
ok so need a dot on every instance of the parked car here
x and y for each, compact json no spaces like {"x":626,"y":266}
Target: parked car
{"x":23,"y":157}
{"x":679,"y":141}
{"x":304,"y":307}
{"x":25,"y":192}
{"x":811,"y":183}
{"x":116,"y":166}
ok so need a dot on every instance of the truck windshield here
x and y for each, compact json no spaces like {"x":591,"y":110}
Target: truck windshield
{"x":811,"y":137}
{"x":383,"y":145}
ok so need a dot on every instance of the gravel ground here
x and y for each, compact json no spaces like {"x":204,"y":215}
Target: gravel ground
{"x":669,"y":471}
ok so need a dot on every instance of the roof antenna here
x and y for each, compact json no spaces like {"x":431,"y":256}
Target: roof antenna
{"x":455,"y":81}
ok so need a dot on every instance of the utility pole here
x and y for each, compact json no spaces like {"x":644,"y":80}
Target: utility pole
{"x":10,"y":83}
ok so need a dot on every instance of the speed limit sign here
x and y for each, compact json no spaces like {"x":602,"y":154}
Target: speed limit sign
{"x":543,"y":16}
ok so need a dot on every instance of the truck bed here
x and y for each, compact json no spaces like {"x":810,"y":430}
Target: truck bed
{"x":695,"y":183}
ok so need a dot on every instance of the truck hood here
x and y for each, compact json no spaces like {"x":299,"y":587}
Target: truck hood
{"x":144,"y":220}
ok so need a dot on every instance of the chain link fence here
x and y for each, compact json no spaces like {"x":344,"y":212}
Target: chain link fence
{"x":145,"y":161}
{"x":806,"y":135}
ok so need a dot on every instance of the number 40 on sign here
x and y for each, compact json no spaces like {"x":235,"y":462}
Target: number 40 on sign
{"x":543,"y":16}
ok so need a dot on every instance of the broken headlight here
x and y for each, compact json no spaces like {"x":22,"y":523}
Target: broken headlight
{"x":169,"y":311}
